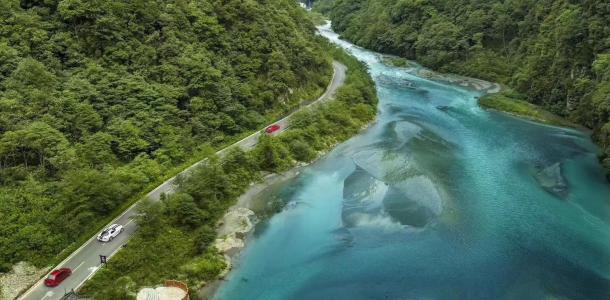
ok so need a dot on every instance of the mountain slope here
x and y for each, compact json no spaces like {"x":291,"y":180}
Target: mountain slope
{"x":101,"y":99}
{"x":556,"y":53}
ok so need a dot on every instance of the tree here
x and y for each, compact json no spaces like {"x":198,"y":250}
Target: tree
{"x":31,"y":74}
{"x":128,"y":142}
{"x":272,"y":155}
{"x":96,"y":150}
{"x":185,"y":211}
{"x":209,"y":186}
{"x":239,"y":166}
{"x":92,"y":190}
{"x":302,"y":151}
{"x":100,"y":99}
{"x":439,"y":43}
{"x":9,"y":58}
{"x":37,"y":144}
{"x":601,"y":66}
{"x":552,"y":52}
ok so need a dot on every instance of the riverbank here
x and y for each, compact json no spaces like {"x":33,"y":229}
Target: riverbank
{"x":240,"y":219}
{"x":466,"y":178}
{"x":464,"y":81}
{"x":509,"y":102}
{"x":496,"y":97}
{"x":236,"y":226}
{"x":185,"y":222}
{"x":238,"y":223}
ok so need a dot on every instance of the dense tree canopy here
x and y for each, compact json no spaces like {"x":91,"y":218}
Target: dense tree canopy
{"x":555,"y":52}
{"x":184,"y":223}
{"x":99,"y":99}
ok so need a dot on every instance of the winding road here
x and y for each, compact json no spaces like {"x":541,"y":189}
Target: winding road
{"x":85,"y":261}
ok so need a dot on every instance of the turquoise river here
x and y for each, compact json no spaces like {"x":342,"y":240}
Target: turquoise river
{"x":438,"y":199}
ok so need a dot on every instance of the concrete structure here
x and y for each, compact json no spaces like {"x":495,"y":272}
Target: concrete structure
{"x":172,"y":290}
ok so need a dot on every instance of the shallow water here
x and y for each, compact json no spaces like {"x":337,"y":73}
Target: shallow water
{"x":437,"y":200}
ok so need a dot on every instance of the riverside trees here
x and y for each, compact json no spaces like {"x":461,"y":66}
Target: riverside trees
{"x":183,"y":224}
{"x":554,"y":52}
{"x":100,"y":99}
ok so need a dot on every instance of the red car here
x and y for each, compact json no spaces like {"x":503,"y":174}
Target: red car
{"x":273,"y":128}
{"x":57,"y":276}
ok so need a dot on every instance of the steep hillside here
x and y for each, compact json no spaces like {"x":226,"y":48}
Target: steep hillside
{"x":556,"y":53}
{"x":184,"y":224}
{"x":100,"y":100}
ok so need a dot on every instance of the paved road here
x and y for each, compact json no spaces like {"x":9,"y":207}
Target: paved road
{"x":85,"y":261}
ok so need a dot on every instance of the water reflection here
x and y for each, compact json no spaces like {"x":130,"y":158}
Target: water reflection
{"x":438,"y":200}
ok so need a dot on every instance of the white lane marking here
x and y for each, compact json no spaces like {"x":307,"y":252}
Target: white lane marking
{"x":92,"y":271}
{"x":78,"y":266}
{"x":115,"y":251}
{"x":48,"y":294}
{"x":327,"y":93}
{"x":130,"y":220}
{"x":34,"y":287}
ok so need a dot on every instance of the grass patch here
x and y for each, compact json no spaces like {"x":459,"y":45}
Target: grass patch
{"x":317,"y":18}
{"x":510,"y":102}
{"x":396,"y":61}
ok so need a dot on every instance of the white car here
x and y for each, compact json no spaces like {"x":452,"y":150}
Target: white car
{"x":109,"y":233}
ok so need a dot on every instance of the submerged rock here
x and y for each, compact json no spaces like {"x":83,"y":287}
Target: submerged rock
{"x":235,"y":226}
{"x":362,"y":195}
{"x":229,"y":242}
{"x":443,"y":107}
{"x":396,"y":82}
{"x":386,"y":166}
{"x":414,"y":202}
{"x":552,"y":180}
{"x":367,"y":201}
{"x":405,"y":131}
{"x":237,"y":220}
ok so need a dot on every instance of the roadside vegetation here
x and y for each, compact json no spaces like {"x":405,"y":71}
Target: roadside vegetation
{"x":175,"y":234}
{"x":317,"y":18}
{"x":396,"y":61}
{"x":556,"y":53}
{"x":100,"y":101}
{"x":510,"y":102}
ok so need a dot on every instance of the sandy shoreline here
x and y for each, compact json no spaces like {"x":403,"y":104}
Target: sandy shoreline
{"x":464,"y":81}
{"x":238,"y":223}
{"x":413,"y":67}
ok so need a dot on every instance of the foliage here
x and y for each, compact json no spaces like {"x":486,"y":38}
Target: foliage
{"x":396,"y":61}
{"x":100,"y":100}
{"x":554,"y":52}
{"x":183,"y":224}
{"x":272,"y":155}
{"x":506,"y":102}
{"x":317,"y":18}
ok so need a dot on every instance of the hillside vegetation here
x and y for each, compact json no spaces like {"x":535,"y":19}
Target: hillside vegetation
{"x":101,"y":100}
{"x":554,"y":52}
{"x":509,"y":102}
{"x":184,"y":224}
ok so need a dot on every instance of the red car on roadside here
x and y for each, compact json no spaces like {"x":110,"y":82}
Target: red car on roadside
{"x":57,"y":276}
{"x":273,"y":128}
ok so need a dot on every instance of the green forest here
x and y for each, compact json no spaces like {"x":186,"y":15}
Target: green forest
{"x":553,"y":53}
{"x":100,"y":101}
{"x":183,"y":223}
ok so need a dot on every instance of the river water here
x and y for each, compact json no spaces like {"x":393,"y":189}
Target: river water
{"x":439,"y":199}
